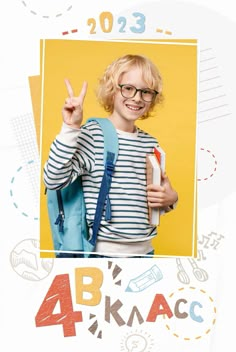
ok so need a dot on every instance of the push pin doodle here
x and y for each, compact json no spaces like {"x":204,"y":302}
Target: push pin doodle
{"x":145,"y":280}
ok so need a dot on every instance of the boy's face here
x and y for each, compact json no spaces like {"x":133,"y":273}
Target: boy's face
{"x":128,"y":110}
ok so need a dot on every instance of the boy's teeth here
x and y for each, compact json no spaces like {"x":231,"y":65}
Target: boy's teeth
{"x":133,"y":108}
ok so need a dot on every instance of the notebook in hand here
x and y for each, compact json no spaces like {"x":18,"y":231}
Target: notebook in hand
{"x":153,"y":174}
{"x":161,"y":157}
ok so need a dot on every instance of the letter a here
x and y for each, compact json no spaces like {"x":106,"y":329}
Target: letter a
{"x":159,"y":306}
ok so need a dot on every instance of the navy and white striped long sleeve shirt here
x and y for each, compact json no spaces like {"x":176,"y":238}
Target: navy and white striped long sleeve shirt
{"x":80,"y":152}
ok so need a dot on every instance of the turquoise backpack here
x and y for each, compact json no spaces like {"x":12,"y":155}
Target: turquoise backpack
{"x":66,"y":207}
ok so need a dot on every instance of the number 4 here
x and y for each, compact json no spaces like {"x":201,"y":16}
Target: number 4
{"x":59,"y":291}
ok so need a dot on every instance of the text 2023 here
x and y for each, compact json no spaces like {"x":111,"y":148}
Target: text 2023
{"x":106,"y":22}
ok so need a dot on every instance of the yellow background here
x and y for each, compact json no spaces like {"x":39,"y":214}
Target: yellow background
{"x":174,"y":121}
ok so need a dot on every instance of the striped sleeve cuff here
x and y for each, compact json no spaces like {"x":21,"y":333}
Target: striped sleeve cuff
{"x":68,"y":135}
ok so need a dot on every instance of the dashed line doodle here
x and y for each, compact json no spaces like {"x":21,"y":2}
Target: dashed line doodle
{"x":213,"y":169}
{"x":159,"y":30}
{"x":45,"y":4}
{"x":13,"y":191}
{"x":196,"y":314}
{"x":72,"y":31}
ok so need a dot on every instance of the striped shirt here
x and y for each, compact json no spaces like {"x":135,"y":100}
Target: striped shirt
{"x":80,"y":152}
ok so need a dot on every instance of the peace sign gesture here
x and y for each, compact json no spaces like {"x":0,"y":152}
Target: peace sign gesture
{"x":72,"y":110}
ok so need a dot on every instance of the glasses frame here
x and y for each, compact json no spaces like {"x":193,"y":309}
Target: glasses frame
{"x":138,"y":90}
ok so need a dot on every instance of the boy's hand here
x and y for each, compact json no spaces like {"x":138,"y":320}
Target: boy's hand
{"x":72,"y":111}
{"x":161,"y":196}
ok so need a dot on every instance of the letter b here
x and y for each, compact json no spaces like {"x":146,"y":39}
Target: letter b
{"x":92,"y":288}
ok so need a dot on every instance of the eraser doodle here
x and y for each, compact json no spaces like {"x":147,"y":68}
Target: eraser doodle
{"x":144,"y":280}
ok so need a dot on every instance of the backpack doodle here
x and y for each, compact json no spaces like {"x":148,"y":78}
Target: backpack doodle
{"x":66,"y":207}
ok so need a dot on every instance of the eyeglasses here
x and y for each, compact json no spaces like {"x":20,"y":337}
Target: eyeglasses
{"x":129,"y":91}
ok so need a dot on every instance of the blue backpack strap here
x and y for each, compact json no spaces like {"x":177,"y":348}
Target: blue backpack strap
{"x":111,"y":141}
{"x":111,"y":149}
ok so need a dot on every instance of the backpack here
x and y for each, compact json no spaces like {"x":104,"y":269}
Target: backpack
{"x":66,"y":207}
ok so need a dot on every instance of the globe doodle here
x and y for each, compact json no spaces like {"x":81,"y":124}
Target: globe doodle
{"x":26,"y":262}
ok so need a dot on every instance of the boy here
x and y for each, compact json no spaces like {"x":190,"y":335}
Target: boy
{"x":128,"y":90}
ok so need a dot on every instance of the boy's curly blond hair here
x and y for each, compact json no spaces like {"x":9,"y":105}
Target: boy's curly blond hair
{"x":108,"y":83}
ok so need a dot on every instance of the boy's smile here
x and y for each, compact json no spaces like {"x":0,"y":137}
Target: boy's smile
{"x":134,"y":107}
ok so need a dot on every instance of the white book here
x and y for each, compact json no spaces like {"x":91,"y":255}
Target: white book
{"x":161,"y":157}
{"x":153,"y":174}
